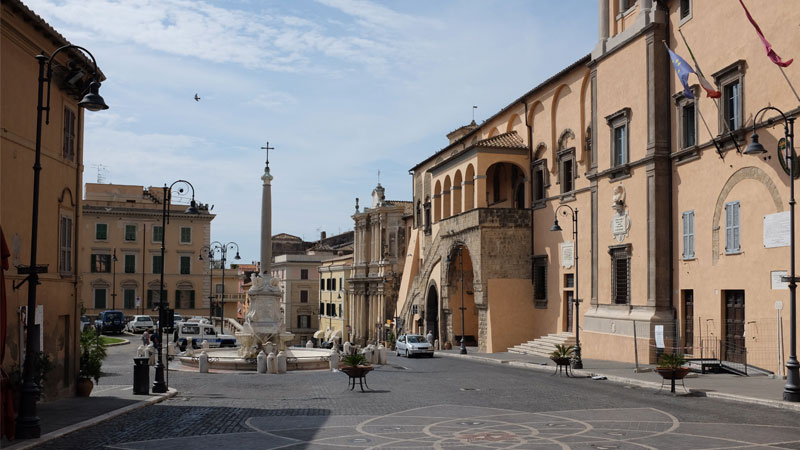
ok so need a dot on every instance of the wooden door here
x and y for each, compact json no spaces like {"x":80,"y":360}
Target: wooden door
{"x":734,"y":326}
{"x":688,"y":321}
{"x":570,"y":305}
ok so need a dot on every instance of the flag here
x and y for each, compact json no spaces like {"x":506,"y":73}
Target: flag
{"x":683,"y":69}
{"x":770,"y":52}
{"x":709,"y":88}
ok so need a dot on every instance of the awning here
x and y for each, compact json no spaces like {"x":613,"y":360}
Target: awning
{"x":318,"y":334}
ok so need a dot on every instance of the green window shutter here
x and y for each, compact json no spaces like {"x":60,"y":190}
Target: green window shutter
{"x":130,"y":263}
{"x":158,"y":233}
{"x":100,"y":299}
{"x":94,"y":263}
{"x":191,"y":299}
{"x":101,"y":231}
{"x":185,"y":264}
{"x":186,"y":235}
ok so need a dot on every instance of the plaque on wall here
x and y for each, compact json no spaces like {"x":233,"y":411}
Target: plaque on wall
{"x":776,"y":278}
{"x":776,"y":230}
{"x":567,"y":254}
{"x":620,"y":225}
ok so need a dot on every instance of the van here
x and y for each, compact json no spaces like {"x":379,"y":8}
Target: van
{"x":200,"y":332}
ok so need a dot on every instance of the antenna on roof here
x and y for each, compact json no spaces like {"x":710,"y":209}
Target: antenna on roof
{"x":473,"y":112}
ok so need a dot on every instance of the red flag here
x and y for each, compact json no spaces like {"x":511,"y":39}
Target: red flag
{"x":770,"y":52}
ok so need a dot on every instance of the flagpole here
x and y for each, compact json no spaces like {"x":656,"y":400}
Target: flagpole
{"x":719,"y":150}
{"x":783,"y":72}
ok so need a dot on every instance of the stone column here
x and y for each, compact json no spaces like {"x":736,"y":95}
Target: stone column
{"x":603,"y":19}
{"x":266,"y":221}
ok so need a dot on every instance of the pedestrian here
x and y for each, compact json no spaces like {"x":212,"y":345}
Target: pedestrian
{"x":429,"y":337}
{"x":145,"y":338}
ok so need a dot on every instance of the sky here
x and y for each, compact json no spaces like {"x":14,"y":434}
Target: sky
{"x":348,"y":92}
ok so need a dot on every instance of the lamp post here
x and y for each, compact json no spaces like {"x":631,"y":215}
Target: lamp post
{"x":114,"y":280}
{"x":159,"y":386}
{"x":577,"y":362}
{"x":217,"y":246}
{"x":210,"y":280}
{"x":28,"y":422}
{"x":791,"y":391}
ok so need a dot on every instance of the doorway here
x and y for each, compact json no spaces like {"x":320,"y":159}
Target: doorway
{"x":735,"y":350}
{"x":432,"y":312}
{"x":569,"y":300}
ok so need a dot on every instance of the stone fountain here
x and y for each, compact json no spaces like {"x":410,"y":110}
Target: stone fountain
{"x":263,"y":322}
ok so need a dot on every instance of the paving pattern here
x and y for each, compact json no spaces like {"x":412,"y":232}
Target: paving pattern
{"x":460,"y":427}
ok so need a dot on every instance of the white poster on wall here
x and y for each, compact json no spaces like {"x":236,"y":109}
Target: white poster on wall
{"x":567,"y":254}
{"x":659,"y":332}
{"x":776,"y":276}
{"x":776,"y":230}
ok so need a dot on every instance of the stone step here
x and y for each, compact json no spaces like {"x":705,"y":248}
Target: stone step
{"x":544,"y":345}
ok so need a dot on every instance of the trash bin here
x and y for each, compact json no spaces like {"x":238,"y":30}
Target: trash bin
{"x":141,"y":376}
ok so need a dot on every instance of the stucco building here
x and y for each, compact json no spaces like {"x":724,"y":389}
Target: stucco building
{"x":24,"y":36}
{"x":334,"y":300}
{"x":125,"y":222}
{"x":677,"y":239}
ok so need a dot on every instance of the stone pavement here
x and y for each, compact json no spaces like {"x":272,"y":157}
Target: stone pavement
{"x":64,"y":416}
{"x":446,"y":425}
{"x":757,"y":389}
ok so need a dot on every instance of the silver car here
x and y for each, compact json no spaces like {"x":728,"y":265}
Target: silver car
{"x":141,"y":323}
{"x":413,"y":344}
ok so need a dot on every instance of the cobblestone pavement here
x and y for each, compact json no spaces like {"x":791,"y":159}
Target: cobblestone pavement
{"x":430,"y":403}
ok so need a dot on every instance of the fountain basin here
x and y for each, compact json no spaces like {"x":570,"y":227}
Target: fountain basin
{"x":229,"y":359}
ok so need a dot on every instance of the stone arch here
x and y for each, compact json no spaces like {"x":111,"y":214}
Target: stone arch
{"x":457,"y":192}
{"x":64,"y":193}
{"x":446,"y":197}
{"x":431,"y":317}
{"x":501,"y":183}
{"x":459,"y":277}
{"x":561,"y":91}
{"x":745,"y":173}
{"x":585,"y":95}
{"x":493,"y":133}
{"x":533,"y":109}
{"x":540,"y":152}
{"x":469,"y":188}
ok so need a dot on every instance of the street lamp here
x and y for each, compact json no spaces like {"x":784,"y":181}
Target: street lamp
{"x":210,"y":280}
{"x":577,"y":362}
{"x":791,"y":391}
{"x":463,"y":349}
{"x":217,"y":246}
{"x":114,"y":280}
{"x":28,"y":422}
{"x":159,"y":386}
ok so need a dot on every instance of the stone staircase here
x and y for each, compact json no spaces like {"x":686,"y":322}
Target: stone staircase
{"x":544,"y":345}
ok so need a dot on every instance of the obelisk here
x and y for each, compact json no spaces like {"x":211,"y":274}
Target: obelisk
{"x":266,"y":217}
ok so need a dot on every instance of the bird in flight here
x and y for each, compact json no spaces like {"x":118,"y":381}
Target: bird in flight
{"x":196,"y":97}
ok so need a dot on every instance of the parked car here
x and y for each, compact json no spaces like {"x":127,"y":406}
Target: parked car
{"x":112,"y":321}
{"x":138,"y":324}
{"x":202,"y":332}
{"x":413,"y":344}
{"x":84,"y":322}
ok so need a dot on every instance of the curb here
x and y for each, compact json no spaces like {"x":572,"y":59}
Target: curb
{"x":90,"y":422}
{"x":630,"y":381}
{"x":116,"y":344}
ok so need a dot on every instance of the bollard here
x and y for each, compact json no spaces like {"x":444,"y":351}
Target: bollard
{"x":269,"y":347}
{"x":382,"y":354}
{"x":261,"y":362}
{"x":334,"y":359}
{"x":348,"y":348}
{"x":281,"y":362}
{"x":368,"y":353}
{"x":203,"y":364}
{"x":151,"y":354}
{"x":309,"y":344}
{"x":140,"y":351}
{"x":204,"y":345}
{"x":172,"y":349}
{"x":272,"y":363}
{"x":436,"y":344}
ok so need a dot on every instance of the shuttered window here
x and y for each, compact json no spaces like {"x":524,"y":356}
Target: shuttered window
{"x":65,"y":241}
{"x":621,"y":275}
{"x":688,"y":235}
{"x":732,"y":228}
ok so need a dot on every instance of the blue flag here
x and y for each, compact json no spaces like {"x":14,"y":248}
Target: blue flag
{"x":683,"y":69}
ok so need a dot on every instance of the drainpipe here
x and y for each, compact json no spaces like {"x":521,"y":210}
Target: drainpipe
{"x":530,"y":177}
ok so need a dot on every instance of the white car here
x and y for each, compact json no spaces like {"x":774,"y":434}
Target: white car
{"x":199,"y":332}
{"x":413,"y":344}
{"x":139,"y":324}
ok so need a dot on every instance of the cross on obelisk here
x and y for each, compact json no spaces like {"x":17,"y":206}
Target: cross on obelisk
{"x":267,"y":148}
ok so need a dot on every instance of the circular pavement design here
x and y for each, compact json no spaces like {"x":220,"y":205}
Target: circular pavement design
{"x":468,"y":427}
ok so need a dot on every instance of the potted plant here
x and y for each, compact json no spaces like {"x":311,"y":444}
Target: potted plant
{"x":670,"y":366}
{"x":41,"y":366}
{"x":563,"y":354}
{"x":93,"y":352}
{"x":355,"y":365}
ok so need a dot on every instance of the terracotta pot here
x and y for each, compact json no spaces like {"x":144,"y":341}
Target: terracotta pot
{"x":669,"y":373}
{"x":356,"y":371}
{"x":84,"y":387}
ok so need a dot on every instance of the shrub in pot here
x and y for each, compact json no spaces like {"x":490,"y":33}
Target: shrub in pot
{"x":93,"y":352}
{"x":563,"y":354}
{"x":670,"y":366}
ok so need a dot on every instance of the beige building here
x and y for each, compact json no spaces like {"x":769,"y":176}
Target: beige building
{"x":334,"y":301}
{"x":675,"y":238}
{"x":25,"y":35}
{"x":299,"y":280}
{"x":124,"y":222}
{"x":380,"y":245}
